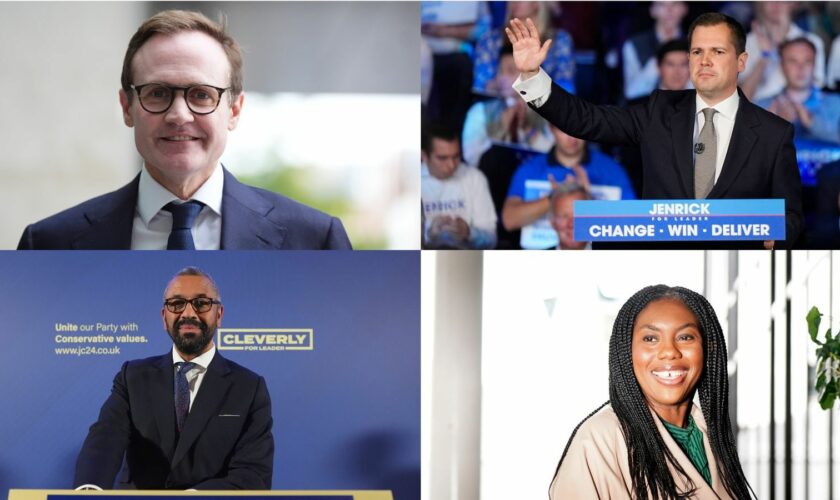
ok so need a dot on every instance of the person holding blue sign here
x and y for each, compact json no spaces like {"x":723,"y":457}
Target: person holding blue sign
{"x":527,"y":202}
{"x":710,"y":142}
{"x":650,"y":440}
{"x":155,"y":421}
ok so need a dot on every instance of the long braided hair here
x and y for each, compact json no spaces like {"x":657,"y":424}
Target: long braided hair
{"x":645,"y":447}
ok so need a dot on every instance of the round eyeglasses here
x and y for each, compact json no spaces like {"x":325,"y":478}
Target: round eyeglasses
{"x":199,"y":304}
{"x":158,"y":98}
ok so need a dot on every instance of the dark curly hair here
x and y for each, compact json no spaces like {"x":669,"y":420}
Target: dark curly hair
{"x":646,"y":449}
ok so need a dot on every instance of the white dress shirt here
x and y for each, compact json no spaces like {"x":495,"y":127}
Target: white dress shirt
{"x":152,"y":224}
{"x":537,"y":89}
{"x":724,"y":121}
{"x":196,"y":375}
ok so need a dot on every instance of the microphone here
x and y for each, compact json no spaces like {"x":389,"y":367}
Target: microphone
{"x":699,"y":148}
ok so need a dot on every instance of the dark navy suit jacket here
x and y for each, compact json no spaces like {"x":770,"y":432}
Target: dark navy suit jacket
{"x":760,"y":161}
{"x":226,"y":442}
{"x":252,"y":219}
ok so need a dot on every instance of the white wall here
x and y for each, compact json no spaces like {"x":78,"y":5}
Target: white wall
{"x":61,"y":133}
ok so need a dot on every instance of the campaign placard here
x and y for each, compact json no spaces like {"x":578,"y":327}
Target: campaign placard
{"x":680,"y":220}
{"x":539,"y":235}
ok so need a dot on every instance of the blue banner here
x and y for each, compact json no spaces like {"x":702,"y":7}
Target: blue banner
{"x":812,"y":155}
{"x":680,"y":220}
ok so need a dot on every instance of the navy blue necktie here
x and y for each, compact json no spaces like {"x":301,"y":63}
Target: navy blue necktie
{"x":182,"y":393}
{"x":183,"y":217}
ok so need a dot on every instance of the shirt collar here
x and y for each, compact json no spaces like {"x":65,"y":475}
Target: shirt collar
{"x":426,"y":174}
{"x":424,"y":169}
{"x":152,"y":196}
{"x":681,"y":434}
{"x":203,"y":361}
{"x":813,"y":98}
{"x":727,"y":107}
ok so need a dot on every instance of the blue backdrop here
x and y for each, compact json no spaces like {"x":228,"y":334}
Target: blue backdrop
{"x":346,"y":414}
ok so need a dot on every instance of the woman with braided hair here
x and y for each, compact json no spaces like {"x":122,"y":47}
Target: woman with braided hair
{"x":650,"y":441}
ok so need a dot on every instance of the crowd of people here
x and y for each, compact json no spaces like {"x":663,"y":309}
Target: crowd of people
{"x":514,"y":176}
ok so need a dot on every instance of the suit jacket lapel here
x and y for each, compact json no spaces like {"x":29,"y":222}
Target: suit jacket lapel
{"x":164,"y":407}
{"x":717,"y":485}
{"x":740,"y":145}
{"x":207,"y":402}
{"x":682,"y":137}
{"x":245,"y":221}
{"x":111,"y":221}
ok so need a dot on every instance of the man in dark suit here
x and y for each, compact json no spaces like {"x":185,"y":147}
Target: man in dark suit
{"x":189,"y":419}
{"x":252,"y":218}
{"x":182,"y":95}
{"x":749,"y":152}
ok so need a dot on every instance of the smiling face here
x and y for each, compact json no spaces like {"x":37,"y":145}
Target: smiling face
{"x":714,"y":63}
{"x":181,"y":149}
{"x":667,"y":355}
{"x":191,"y":331}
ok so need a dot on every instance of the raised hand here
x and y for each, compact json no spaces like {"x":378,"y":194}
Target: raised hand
{"x":528,"y":55}
{"x":582,"y":178}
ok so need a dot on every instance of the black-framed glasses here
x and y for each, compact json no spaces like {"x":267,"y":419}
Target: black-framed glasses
{"x":199,"y":304}
{"x":158,"y":97}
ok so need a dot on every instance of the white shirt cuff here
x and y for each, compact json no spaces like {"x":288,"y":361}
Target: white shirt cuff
{"x":89,"y":487}
{"x":535,"y":89}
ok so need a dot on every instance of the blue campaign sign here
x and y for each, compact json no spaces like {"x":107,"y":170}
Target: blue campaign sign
{"x":812,"y":155}
{"x":680,"y":220}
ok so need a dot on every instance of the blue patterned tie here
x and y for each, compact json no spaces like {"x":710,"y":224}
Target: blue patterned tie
{"x":183,"y":217}
{"x":182,"y":393}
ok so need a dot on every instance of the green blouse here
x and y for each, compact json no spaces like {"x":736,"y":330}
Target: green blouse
{"x":690,"y":441}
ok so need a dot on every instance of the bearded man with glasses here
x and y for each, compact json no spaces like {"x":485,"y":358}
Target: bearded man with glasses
{"x":189,"y":419}
{"x":182,"y":94}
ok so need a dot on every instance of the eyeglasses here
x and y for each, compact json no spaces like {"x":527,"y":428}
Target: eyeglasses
{"x":158,"y":98}
{"x":199,"y":304}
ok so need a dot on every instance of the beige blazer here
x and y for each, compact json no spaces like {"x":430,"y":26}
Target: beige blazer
{"x":596,"y":464}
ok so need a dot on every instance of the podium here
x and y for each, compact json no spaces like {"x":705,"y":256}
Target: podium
{"x":200,"y":495}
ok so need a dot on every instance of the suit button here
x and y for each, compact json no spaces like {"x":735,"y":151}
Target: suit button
{"x":522,"y":92}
